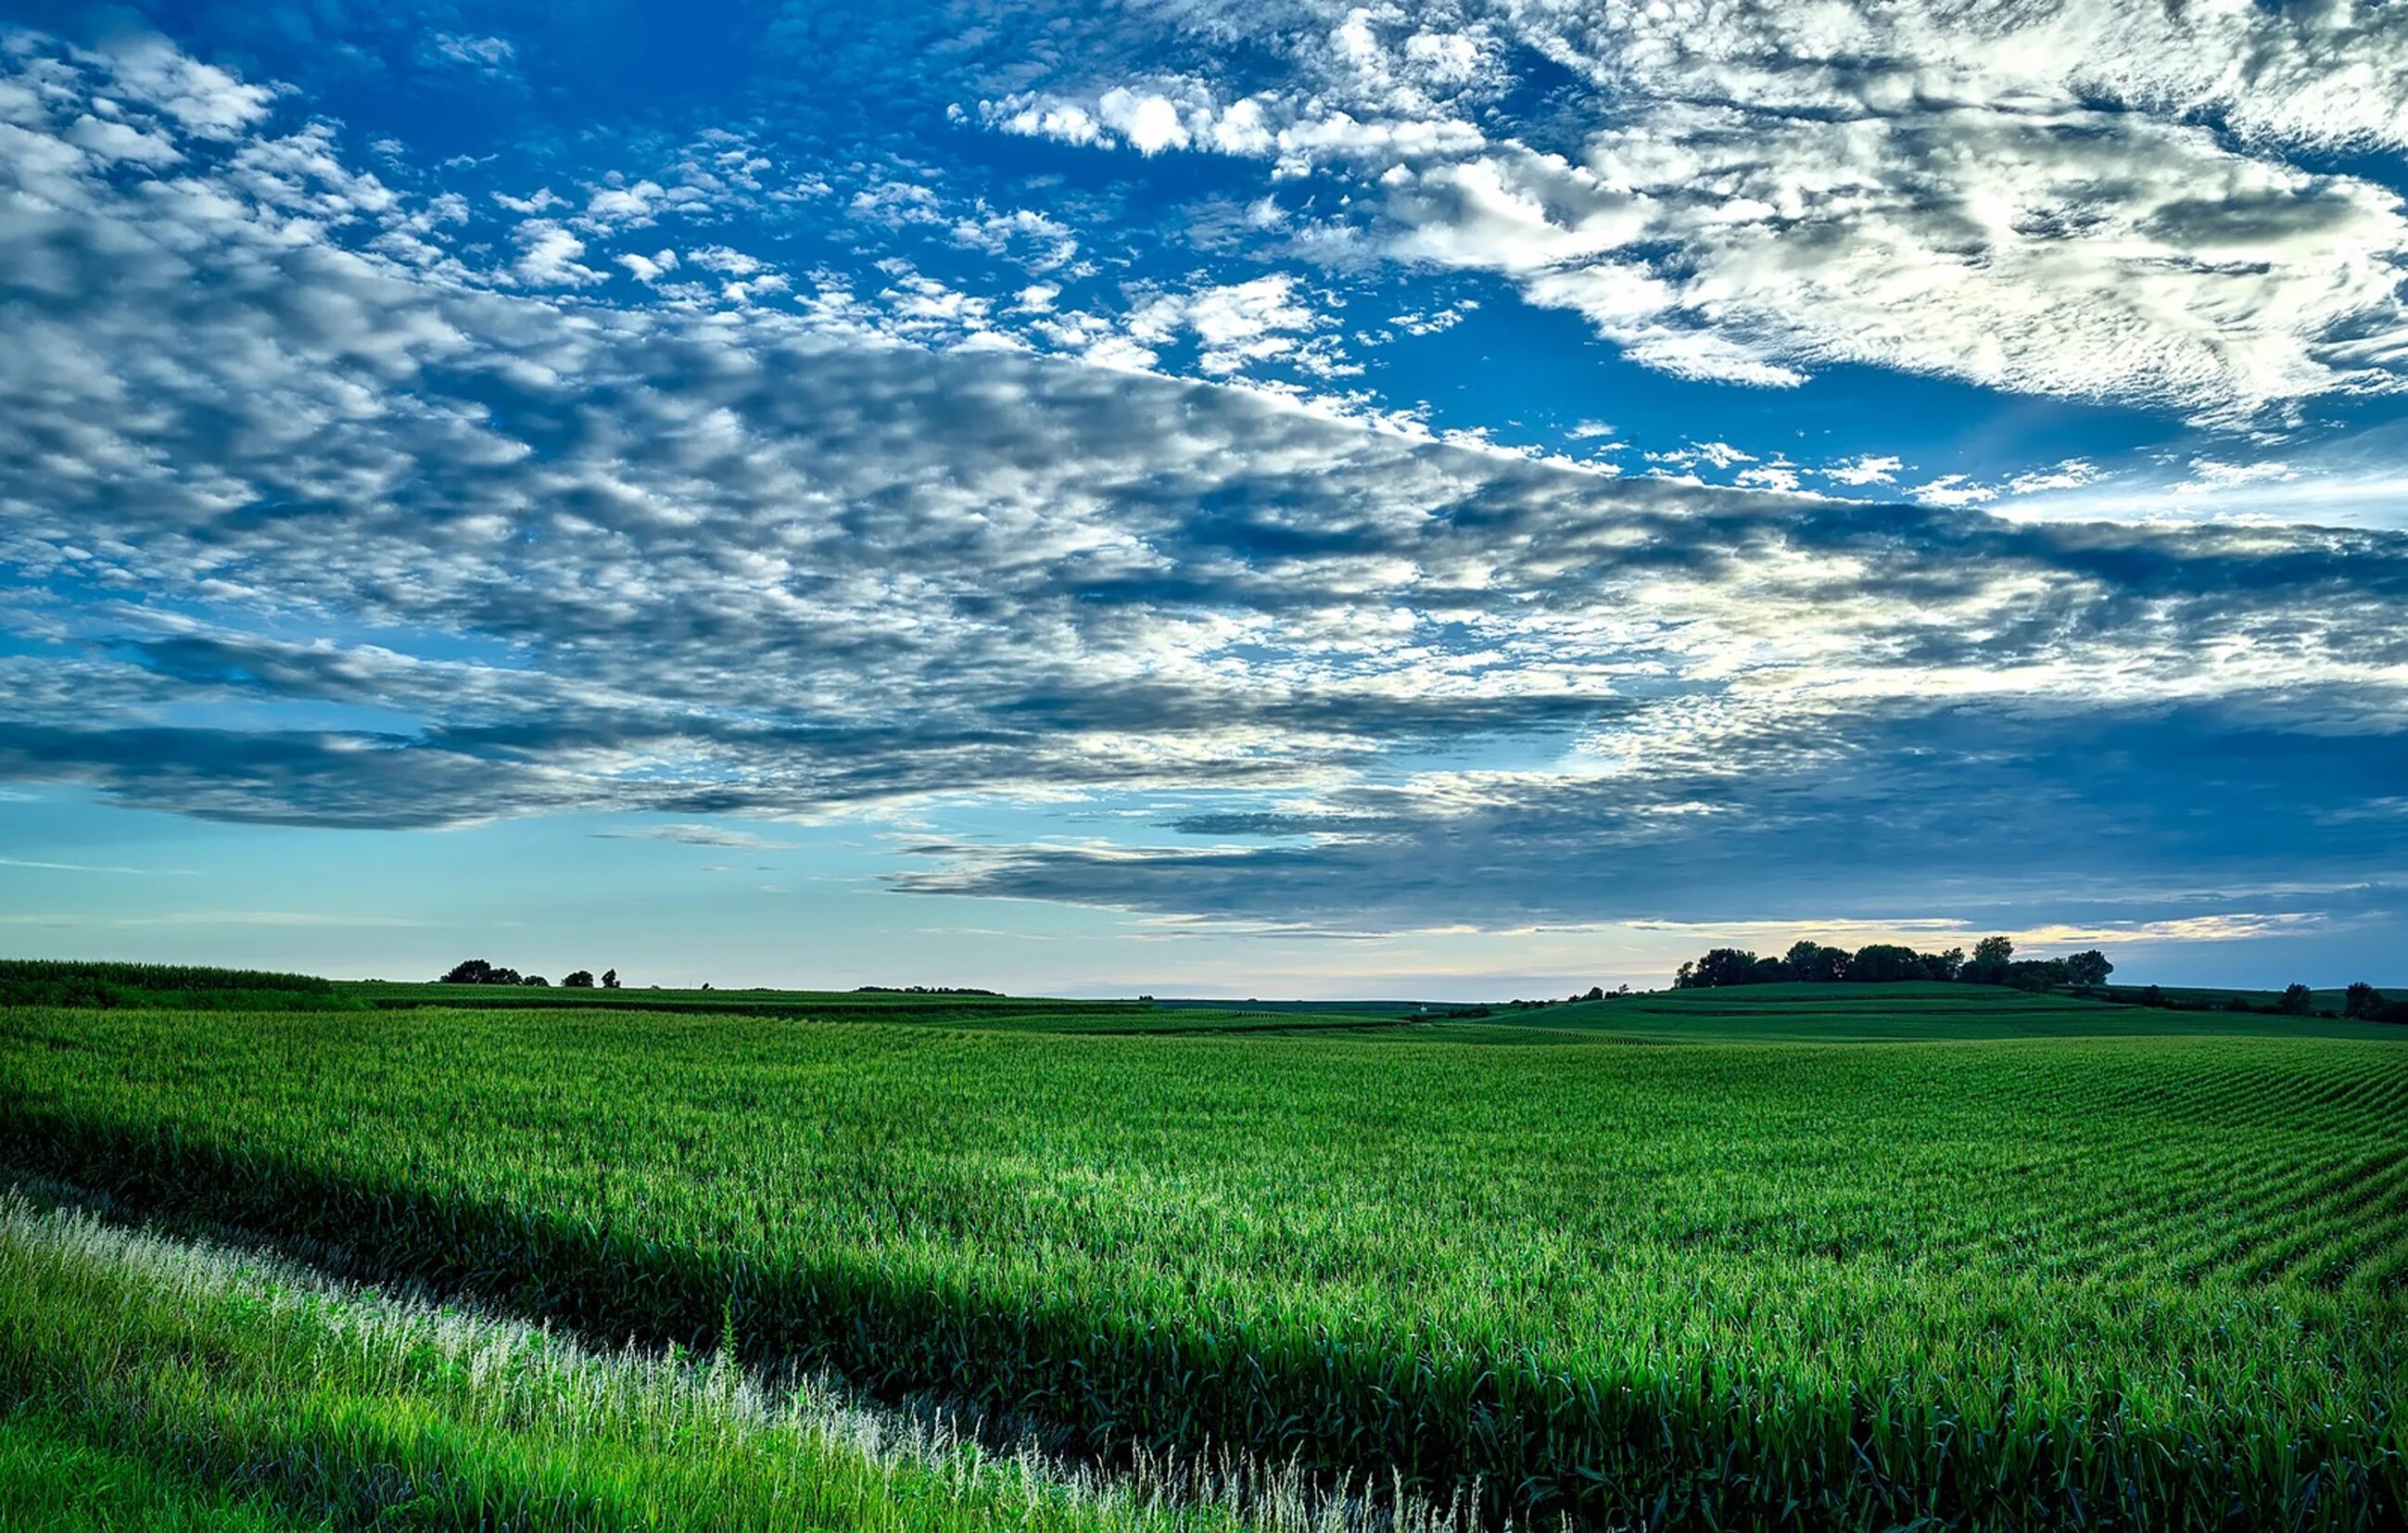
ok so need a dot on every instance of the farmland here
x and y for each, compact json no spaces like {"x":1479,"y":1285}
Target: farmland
{"x":1870,"y":1013}
{"x":179,"y":1381}
{"x":2020,"y":1264}
{"x":900,"y":1008}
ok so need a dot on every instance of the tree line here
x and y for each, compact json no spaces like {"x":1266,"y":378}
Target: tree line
{"x":477,"y":972}
{"x":2366,"y":1003}
{"x":1993,"y":961}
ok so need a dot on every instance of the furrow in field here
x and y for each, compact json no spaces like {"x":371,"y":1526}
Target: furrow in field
{"x":2329,"y":1237}
{"x":2268,"y":1219}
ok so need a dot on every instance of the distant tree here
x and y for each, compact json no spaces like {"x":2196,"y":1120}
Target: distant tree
{"x":1595,"y":992}
{"x":1722,"y":966}
{"x":2037,"y":973}
{"x":1885,"y":963}
{"x":1943,"y":965}
{"x":580,"y":980}
{"x":469,"y":971}
{"x":2298,"y":1000}
{"x":536,"y":982}
{"x":1988,"y":965}
{"x":2238,"y":1003}
{"x":2088,"y":968}
{"x":2362,"y":1000}
{"x":609,"y":978}
{"x":503,"y":974}
{"x":1816,"y":963}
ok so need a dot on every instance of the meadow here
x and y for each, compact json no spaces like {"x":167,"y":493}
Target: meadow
{"x":2022,"y":1262}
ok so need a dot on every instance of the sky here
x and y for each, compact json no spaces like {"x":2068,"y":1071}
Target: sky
{"x":1203,"y":496}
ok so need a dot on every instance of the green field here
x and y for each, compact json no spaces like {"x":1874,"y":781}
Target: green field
{"x":1872,"y":1013}
{"x":1044,"y":1014}
{"x":166,"y":1385}
{"x":2022,"y":1263}
{"x":819,"y":1005}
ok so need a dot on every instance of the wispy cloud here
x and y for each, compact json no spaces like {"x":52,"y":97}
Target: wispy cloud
{"x":227,"y":918}
{"x":694,"y":835}
{"x":97,"y":868}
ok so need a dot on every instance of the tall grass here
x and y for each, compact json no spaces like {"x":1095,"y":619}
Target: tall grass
{"x":41,"y":981}
{"x":241,"y":1392}
{"x":54,"y":1478}
{"x":2092,"y":1283}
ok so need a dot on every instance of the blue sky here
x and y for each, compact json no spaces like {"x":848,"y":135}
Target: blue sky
{"x":1202,"y":496}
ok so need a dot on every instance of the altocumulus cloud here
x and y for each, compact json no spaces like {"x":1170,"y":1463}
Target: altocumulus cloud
{"x":453,"y":551}
{"x":2101,"y":200}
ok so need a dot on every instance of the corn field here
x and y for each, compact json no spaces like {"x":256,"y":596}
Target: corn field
{"x":2147,"y":1282}
{"x":208,"y":1377}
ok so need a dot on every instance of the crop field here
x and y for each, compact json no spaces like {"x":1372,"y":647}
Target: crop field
{"x":2088,"y":1277}
{"x":175,"y":1384}
{"x":818,"y":1005}
{"x":1842,"y":1013}
{"x":915,"y":1008}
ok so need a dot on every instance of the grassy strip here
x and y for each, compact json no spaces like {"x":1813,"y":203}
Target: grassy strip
{"x":166,"y":977}
{"x":2073,"y":1283}
{"x":41,"y":981}
{"x":54,"y":1478}
{"x":139,"y":1367}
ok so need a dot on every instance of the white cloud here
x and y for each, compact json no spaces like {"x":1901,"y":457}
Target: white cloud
{"x":548,"y":256}
{"x":2072,"y":474}
{"x":649,"y":268}
{"x":2087,"y":255}
{"x":485,"y":55}
{"x":2213,"y":474}
{"x":1234,"y":324}
{"x":1146,"y":121}
{"x":719,"y":258}
{"x":894,"y":205}
{"x":200,"y":98}
{"x":119,"y":141}
{"x":1864,"y":468}
{"x":1779,"y":475}
{"x":1037,"y":241}
{"x":2021,"y":197}
{"x":544,"y":201}
{"x":688,"y":834}
{"x":1954,"y":490}
{"x":624,"y":206}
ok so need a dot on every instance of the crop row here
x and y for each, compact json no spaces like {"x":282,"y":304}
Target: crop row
{"x":2101,"y":1282}
{"x":204,"y":1389}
